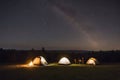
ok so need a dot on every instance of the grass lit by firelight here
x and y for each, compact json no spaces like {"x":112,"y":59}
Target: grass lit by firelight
{"x":61,"y":72}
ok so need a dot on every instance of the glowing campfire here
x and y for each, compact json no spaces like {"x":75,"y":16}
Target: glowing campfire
{"x":31,"y":63}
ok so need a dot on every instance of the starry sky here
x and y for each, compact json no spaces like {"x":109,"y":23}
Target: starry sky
{"x":60,"y":24}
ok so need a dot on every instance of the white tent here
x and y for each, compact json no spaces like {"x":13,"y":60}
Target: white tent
{"x":40,"y":61}
{"x":43,"y":61}
{"x":92,"y":61}
{"x":64,"y":61}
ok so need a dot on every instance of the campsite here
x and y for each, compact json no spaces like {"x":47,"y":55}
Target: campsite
{"x":59,"y":39}
{"x":59,"y":65}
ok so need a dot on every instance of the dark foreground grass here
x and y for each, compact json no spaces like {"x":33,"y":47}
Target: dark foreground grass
{"x":100,"y":72}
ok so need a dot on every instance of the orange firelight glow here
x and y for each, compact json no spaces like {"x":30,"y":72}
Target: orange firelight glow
{"x":31,"y":63}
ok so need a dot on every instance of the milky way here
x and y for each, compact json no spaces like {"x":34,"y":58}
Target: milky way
{"x":60,"y":24}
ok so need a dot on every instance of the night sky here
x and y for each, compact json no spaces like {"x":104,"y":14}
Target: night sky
{"x":60,"y":24}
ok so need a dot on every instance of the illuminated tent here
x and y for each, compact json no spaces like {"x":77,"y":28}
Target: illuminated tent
{"x":92,"y":61}
{"x":40,"y":61}
{"x":64,"y":61}
{"x":37,"y":61}
{"x":43,"y":61}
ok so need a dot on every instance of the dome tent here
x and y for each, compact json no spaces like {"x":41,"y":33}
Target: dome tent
{"x":64,"y":61}
{"x":39,"y":61}
{"x":92,"y":61}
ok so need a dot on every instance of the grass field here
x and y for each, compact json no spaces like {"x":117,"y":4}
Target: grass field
{"x":54,"y":72}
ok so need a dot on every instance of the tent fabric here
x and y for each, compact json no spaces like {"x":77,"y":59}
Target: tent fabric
{"x":92,"y":61}
{"x":64,"y":61}
{"x":39,"y":61}
{"x":43,"y":61}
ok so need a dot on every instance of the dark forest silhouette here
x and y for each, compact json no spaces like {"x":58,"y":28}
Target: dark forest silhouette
{"x":13,"y":56}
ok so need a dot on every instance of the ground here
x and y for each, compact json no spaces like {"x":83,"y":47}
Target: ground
{"x":60,"y":72}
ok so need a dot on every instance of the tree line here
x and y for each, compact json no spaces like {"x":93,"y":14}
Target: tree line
{"x":13,"y":56}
